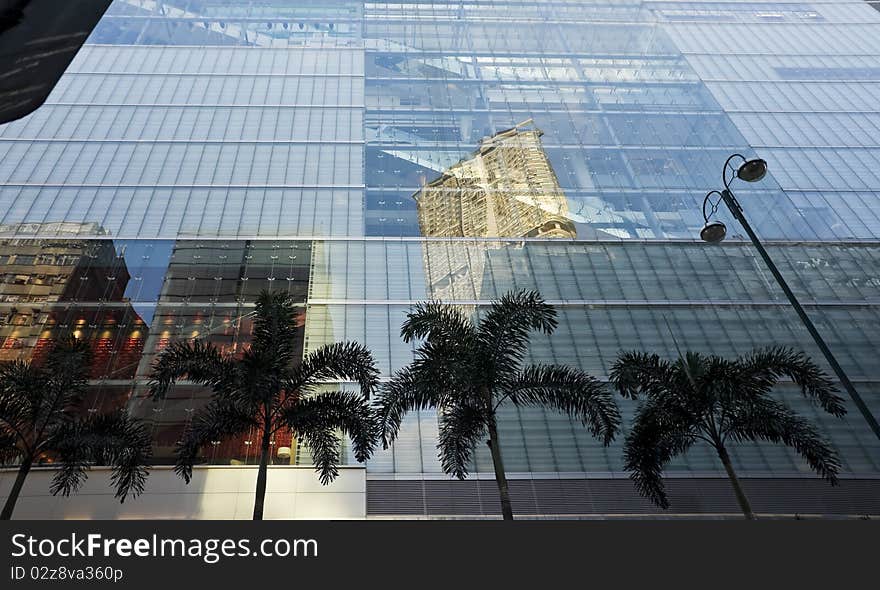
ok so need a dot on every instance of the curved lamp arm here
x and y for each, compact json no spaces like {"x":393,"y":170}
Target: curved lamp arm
{"x":706,"y":200}
{"x":727,"y":167}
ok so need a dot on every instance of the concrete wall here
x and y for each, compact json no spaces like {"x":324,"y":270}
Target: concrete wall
{"x":217,"y":492}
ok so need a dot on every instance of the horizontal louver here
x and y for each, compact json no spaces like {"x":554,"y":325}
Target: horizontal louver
{"x":596,"y":497}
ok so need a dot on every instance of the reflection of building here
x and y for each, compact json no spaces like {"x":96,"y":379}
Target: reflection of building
{"x":208,"y":293}
{"x":506,"y":189}
{"x":43,"y":285}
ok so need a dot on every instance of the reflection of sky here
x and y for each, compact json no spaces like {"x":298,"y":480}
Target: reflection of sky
{"x":145,"y":312}
{"x":147,"y":262}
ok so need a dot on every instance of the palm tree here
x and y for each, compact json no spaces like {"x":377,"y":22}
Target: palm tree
{"x":717,"y":401}
{"x":40,"y":415}
{"x":468,"y":371}
{"x":270,"y":389}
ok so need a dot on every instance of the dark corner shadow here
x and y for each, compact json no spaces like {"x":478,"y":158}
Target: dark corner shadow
{"x":38,"y":40}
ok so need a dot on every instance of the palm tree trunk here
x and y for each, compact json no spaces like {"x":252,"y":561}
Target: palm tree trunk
{"x":260,"y":497}
{"x":23,"y":471}
{"x":737,"y":487}
{"x":500,"y":476}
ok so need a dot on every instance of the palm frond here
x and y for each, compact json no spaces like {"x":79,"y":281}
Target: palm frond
{"x":437,"y":321}
{"x":22,"y":388}
{"x":315,"y":420}
{"x":452,"y":367}
{"x":127,"y":447}
{"x":345,"y":361}
{"x":504,"y":329}
{"x":66,"y":371}
{"x":18,"y":379}
{"x":461,"y":428}
{"x":719,"y":378}
{"x":656,"y":437}
{"x":324,"y":446}
{"x":258,"y":381}
{"x":346,"y":412}
{"x":75,"y":458}
{"x":69,"y":357}
{"x":771,"y":421}
{"x":404,"y":393}
{"x":634,"y":374}
{"x":115,"y":439}
{"x":449,"y":355}
{"x":274,"y":331}
{"x":220,"y":419}
{"x":568,"y":390}
{"x":195,"y":360}
{"x":9,"y":447}
{"x":774,"y":362}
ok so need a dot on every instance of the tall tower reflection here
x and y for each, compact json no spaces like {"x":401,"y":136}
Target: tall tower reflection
{"x":54,"y":287}
{"x":506,"y":189}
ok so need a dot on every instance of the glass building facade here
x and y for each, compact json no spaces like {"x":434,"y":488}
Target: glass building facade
{"x":368,"y":155}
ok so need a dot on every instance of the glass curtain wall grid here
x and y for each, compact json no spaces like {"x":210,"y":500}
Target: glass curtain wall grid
{"x":364,"y":156}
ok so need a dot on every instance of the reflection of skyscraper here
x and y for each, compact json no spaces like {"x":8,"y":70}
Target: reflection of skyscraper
{"x":506,"y":189}
{"x":207,"y":294}
{"x":43,"y":286}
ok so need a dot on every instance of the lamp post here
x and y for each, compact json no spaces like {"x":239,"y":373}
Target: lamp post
{"x":715,"y":231}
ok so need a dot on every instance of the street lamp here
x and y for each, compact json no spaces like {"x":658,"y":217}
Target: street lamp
{"x":715,"y":231}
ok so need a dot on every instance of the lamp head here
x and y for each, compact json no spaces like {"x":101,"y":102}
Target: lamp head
{"x":752,"y":170}
{"x":713,"y":232}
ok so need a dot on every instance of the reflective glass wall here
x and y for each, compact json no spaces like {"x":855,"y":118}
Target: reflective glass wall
{"x":364,"y":156}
